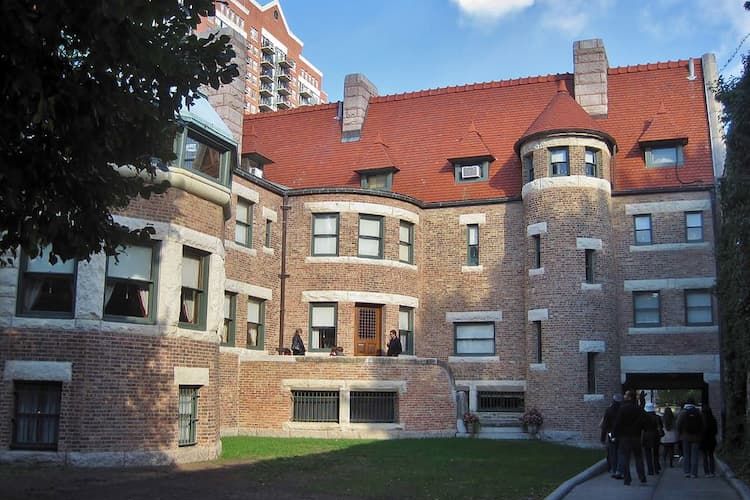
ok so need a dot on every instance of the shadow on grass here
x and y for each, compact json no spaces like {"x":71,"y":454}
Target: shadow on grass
{"x":325,"y":469}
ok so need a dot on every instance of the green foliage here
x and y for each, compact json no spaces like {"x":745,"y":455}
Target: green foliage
{"x":411,"y":468}
{"x":733,"y":284}
{"x":86,"y":86}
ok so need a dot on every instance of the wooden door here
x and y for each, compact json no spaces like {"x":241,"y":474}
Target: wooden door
{"x":368,"y":324}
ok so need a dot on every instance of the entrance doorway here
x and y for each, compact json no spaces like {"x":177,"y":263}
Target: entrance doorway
{"x":368,"y":341}
{"x":668,"y":389}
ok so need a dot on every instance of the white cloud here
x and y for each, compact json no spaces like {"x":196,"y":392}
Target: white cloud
{"x":571,"y":17}
{"x":491,"y":10}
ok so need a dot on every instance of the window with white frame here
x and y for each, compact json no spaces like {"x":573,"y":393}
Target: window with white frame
{"x":46,"y":289}
{"x":129,"y":288}
{"x":698,"y":307}
{"x":406,"y":242}
{"x":693,"y":227}
{"x":325,"y":234}
{"x":194,"y":288}
{"x":255,"y":323}
{"x":475,"y":339}
{"x":322,"y":326}
{"x":243,"y":223}
{"x":646,"y":309}
{"x":642,"y":228}
{"x":370,"y":242}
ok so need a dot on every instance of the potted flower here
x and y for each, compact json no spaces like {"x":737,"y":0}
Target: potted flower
{"x":532,"y":420}
{"x":471,"y":421}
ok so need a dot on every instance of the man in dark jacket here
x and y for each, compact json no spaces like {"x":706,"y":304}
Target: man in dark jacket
{"x":628,"y":428}
{"x":607,"y":436}
{"x":690,"y":429}
{"x":394,"y":345}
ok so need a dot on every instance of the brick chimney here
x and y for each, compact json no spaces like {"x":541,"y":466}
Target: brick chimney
{"x":590,"y":80}
{"x":357,"y":93}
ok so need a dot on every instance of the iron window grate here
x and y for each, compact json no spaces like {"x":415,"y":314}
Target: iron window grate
{"x":188,"y":415}
{"x":315,"y":406}
{"x":500,"y":401}
{"x":373,"y":407}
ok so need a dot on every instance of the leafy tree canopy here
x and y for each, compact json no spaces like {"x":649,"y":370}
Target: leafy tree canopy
{"x":85,"y":86}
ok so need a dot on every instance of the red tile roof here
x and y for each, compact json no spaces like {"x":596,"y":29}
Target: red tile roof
{"x":375,"y":155}
{"x":471,"y":145}
{"x":422,"y":130}
{"x":563,"y":114}
{"x":662,"y":128}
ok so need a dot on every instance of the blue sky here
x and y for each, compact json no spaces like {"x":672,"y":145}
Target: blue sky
{"x":407,"y":45}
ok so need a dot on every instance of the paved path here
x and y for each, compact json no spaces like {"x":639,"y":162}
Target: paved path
{"x":671,"y":484}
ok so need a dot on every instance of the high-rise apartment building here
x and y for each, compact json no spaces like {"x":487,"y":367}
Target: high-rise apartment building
{"x":276,"y":74}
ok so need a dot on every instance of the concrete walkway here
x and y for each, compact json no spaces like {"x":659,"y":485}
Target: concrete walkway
{"x":671,"y":484}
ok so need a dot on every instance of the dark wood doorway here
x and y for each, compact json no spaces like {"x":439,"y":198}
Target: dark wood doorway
{"x":368,"y":341}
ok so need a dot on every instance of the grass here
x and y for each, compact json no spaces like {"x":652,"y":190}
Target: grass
{"x":414,"y":468}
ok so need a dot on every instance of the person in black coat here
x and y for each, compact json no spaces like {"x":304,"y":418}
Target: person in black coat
{"x":607,"y":433}
{"x":394,"y":344}
{"x":652,"y":432}
{"x":298,"y":346}
{"x":628,"y":428}
{"x":708,"y":441}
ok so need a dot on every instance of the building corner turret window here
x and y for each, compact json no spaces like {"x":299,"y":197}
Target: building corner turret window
{"x":558,"y":162}
{"x":46,"y":289}
{"x":194,"y":289}
{"x":591,"y":162}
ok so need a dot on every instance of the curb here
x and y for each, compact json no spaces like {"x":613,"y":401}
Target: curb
{"x":581,"y":477}
{"x":740,"y":486}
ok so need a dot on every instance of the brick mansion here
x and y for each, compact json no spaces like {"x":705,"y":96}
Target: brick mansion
{"x":541,"y":242}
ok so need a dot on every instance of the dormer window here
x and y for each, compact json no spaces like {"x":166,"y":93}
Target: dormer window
{"x":251,"y":165}
{"x":380,"y":179}
{"x":664,"y":155}
{"x":203,"y":155}
{"x":471,"y":169}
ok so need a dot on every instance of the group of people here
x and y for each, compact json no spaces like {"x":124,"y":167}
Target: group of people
{"x":632,"y":428}
{"x":298,"y":346}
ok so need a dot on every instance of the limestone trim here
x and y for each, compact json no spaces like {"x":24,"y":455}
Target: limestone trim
{"x":670,"y":330}
{"x":269,"y":214}
{"x":174,"y":232}
{"x":268,"y":251}
{"x":656,"y":207}
{"x":538,"y":228}
{"x":466,"y":219}
{"x":668,"y":284}
{"x":248,"y":289}
{"x":355,"y":296}
{"x":588,"y":243}
{"x":472,"y":269}
{"x":473,"y":359}
{"x":593,"y":397}
{"x":539,"y":271}
{"x":591,"y":346}
{"x":184,"y":180}
{"x":113,"y":458}
{"x":362,"y":208}
{"x":470,"y":316}
{"x":240,"y":248}
{"x":245,"y":192}
{"x":714,"y":110}
{"x":538,"y":367}
{"x":538,"y":315}
{"x":567,"y":181}
{"x":492,"y":385}
{"x":360,"y":260}
{"x":668,"y":247}
{"x":52,"y":371}
{"x":687,"y":363}
{"x":564,"y":140}
{"x":186,"y":375}
{"x":587,"y":287}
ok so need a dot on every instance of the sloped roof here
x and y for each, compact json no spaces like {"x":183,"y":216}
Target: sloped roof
{"x":205,"y":116}
{"x":250,"y":146}
{"x":471,"y":145}
{"x":375,"y":155}
{"x":423,"y":129}
{"x":563,"y":114}
{"x":662,"y":128}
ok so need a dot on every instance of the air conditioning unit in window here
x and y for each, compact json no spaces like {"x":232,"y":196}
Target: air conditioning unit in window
{"x":471,"y":172}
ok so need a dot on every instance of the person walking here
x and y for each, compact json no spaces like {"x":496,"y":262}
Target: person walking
{"x":628,"y":428}
{"x":669,"y":438}
{"x":298,"y":346}
{"x":708,"y":442}
{"x":607,"y":437}
{"x":394,"y":344}
{"x":653,"y":430}
{"x":690,"y":429}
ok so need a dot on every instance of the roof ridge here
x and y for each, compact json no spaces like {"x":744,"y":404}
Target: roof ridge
{"x":635,"y":68}
{"x":307,"y":108}
{"x":472,"y":86}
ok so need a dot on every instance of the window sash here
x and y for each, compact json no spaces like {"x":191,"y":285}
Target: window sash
{"x":405,"y":242}
{"x":694,"y":226}
{"x":591,"y":163}
{"x":40,"y":264}
{"x":642,"y":225}
{"x":268,"y":233}
{"x":188,"y":415}
{"x":475,"y":338}
{"x":370,"y":242}
{"x":591,"y":372}
{"x":322,"y":326}
{"x":537,"y":251}
{"x":472,"y":241}
{"x":698,"y":307}
{"x":558,"y":158}
{"x":243,"y":223}
{"x":664,"y":156}
{"x":325,"y":234}
{"x":538,"y":335}
{"x":590,"y":262}
{"x":646,"y":309}
{"x":193,"y":292}
{"x":528,"y":165}
{"x":36,"y":417}
{"x":406,"y":329}
{"x":228,"y":330}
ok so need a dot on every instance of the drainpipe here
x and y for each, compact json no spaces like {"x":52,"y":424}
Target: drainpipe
{"x":283,"y":275}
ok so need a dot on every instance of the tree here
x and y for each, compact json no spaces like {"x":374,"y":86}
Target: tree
{"x":87,"y":86}
{"x":733,"y":284}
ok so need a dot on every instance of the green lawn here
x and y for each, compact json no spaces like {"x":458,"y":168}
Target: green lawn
{"x":413,"y":468}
